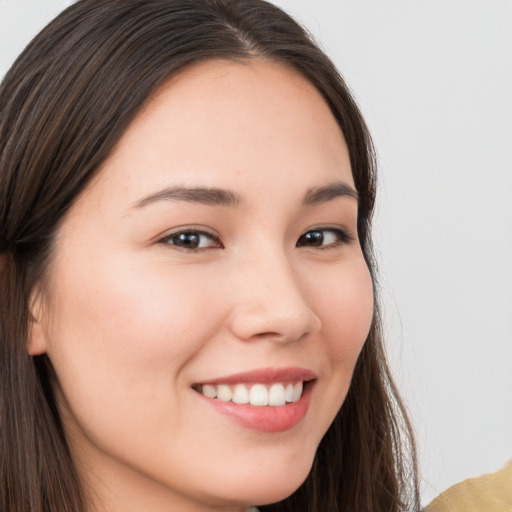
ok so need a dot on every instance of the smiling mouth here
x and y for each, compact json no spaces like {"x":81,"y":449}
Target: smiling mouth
{"x":267,"y":400}
{"x":256,"y":394}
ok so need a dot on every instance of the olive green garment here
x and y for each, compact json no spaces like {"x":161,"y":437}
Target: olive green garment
{"x":488,"y":493}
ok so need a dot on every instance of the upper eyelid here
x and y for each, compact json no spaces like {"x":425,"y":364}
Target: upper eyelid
{"x":165,"y":240}
{"x":187,"y":229}
{"x":344,"y":236}
{"x":338,"y":229}
{"x":334,"y":229}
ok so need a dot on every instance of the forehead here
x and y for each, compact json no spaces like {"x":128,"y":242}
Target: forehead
{"x":236,"y":124}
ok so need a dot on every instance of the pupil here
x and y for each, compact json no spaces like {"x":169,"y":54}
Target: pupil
{"x":314,"y":238}
{"x":190,"y":240}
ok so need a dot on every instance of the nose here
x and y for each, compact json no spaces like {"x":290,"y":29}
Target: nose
{"x":270,"y":302}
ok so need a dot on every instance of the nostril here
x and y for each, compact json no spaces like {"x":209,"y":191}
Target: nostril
{"x":284,"y":337}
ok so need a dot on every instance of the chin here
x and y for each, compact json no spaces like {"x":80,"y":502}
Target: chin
{"x":276,"y":494}
{"x":263,"y":486}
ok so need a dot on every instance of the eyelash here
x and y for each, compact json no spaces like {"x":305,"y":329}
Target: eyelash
{"x":342,"y":238}
{"x":190,"y":231}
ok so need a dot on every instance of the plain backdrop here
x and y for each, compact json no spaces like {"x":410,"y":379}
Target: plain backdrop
{"x":434,"y":81}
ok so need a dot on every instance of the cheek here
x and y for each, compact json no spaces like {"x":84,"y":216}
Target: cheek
{"x":130,"y":313}
{"x":124,"y":334}
{"x":346,"y":306}
{"x":121,"y":345}
{"x":342,"y":297}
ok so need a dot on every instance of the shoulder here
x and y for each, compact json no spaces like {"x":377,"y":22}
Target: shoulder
{"x":489,"y":493}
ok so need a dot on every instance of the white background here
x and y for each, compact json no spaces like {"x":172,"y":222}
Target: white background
{"x":434,"y":81}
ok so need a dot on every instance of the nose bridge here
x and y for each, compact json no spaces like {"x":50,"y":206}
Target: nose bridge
{"x":270,"y":301}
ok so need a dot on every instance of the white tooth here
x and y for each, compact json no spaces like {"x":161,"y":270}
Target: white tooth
{"x":297,"y":391}
{"x":276,"y":395}
{"x":240,"y":394}
{"x":258,"y":395}
{"x":224,"y":393}
{"x":289,"y":392}
{"x":209,"y":391}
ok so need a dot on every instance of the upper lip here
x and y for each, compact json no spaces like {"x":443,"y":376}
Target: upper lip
{"x":264,"y":376}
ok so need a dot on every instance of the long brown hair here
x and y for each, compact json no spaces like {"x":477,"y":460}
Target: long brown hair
{"x":64,"y":104}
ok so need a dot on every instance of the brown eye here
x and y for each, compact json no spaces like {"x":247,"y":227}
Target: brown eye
{"x":323,"y":238}
{"x":192,"y":240}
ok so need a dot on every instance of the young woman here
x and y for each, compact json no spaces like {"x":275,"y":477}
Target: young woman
{"x":188,"y":309}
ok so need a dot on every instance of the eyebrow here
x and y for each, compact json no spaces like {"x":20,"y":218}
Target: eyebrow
{"x":228,"y":198}
{"x":328,"y":192}
{"x":202,"y":195}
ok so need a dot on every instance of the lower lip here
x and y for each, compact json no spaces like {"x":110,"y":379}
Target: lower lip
{"x":265,"y":418}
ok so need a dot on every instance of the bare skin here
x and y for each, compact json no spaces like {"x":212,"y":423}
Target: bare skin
{"x":148,"y":295}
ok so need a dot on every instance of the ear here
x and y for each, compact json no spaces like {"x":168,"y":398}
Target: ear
{"x":37,"y":341}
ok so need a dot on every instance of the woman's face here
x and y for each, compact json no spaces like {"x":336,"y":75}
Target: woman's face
{"x":215,"y":252}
